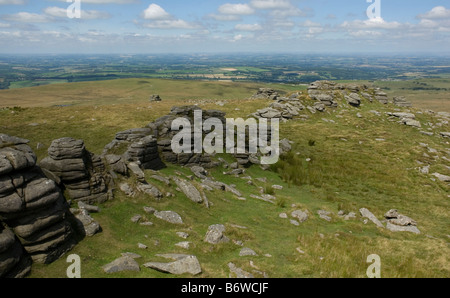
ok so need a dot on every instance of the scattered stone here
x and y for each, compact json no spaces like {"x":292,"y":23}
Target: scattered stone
{"x":324,"y":215}
{"x":149,"y":210}
{"x":367,"y":214}
{"x":238,"y":272}
{"x":142,"y":246}
{"x":131,"y":255}
{"x":136,"y":218}
{"x":188,"y":189}
{"x":150,"y":190}
{"x":89,"y":208}
{"x":125,"y":263}
{"x":294,"y":222}
{"x":247,"y":252}
{"x":283,"y":215}
{"x":86,"y":223}
{"x":396,"y":228}
{"x":183,"y":235}
{"x":215,"y":234}
{"x":300,"y":215}
{"x":155,"y":97}
{"x":169,"y":216}
{"x":126,"y":189}
{"x":184,"y":264}
{"x":184,"y":244}
{"x":441,"y":177}
{"x":300,"y":250}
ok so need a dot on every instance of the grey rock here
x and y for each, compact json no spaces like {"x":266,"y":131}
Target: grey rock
{"x":189,"y":190}
{"x":150,"y":190}
{"x":185,"y":265}
{"x":300,"y":215}
{"x":184,"y":244}
{"x":369,"y":215}
{"x":136,"y":170}
{"x":397,"y":228}
{"x":183,"y":235}
{"x":238,"y":272}
{"x":125,"y":263}
{"x":443,"y":178}
{"x":324,"y":215}
{"x":126,"y":189}
{"x":215,"y":234}
{"x":169,"y":216}
{"x":89,"y":225}
{"x":245,"y":251}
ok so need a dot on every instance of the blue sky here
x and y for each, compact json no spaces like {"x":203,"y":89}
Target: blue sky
{"x":176,"y":26}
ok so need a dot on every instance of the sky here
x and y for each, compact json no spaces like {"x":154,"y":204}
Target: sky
{"x":218,"y":26}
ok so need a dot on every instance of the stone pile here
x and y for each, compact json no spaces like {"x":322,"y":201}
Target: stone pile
{"x":80,"y":172}
{"x":34,"y":216}
{"x":266,"y":93}
{"x":162,"y":128}
{"x":284,"y":108}
{"x":330,"y":93}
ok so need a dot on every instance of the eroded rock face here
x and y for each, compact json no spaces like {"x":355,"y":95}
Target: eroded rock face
{"x":80,"y":172}
{"x":32,"y":206}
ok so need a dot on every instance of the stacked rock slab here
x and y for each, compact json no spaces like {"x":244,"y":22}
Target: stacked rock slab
{"x":329,"y":93}
{"x":80,"y":172}
{"x":14,"y":262}
{"x":31,"y":206}
{"x":163,"y":131}
{"x":134,"y":145}
{"x":266,"y":93}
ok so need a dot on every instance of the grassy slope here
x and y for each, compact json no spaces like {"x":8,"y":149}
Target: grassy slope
{"x":348,"y":170}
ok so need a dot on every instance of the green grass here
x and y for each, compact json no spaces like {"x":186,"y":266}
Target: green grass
{"x":332,"y":166}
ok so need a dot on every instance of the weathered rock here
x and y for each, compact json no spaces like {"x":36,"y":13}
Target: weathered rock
{"x":188,"y":264}
{"x":245,"y":251}
{"x":324,"y":215}
{"x":300,"y":215}
{"x":32,"y":206}
{"x":169,"y":216}
{"x":87,"y":223}
{"x":397,"y":228}
{"x":125,"y":263}
{"x":215,"y":234}
{"x":155,"y":97}
{"x":82,"y":173}
{"x":188,"y":189}
{"x":239,"y":272}
{"x":443,"y":178}
{"x":150,"y":190}
{"x":369,"y":215}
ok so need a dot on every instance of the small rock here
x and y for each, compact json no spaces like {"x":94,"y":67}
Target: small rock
{"x":215,"y":234}
{"x":142,"y":246}
{"x":125,"y":263}
{"x":184,"y":244}
{"x":136,"y":218}
{"x":247,"y":252}
{"x":182,"y":235}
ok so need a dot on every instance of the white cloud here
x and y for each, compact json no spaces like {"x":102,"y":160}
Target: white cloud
{"x":375,"y":23}
{"x":438,"y":12}
{"x":26,"y":17}
{"x":12,"y":2}
{"x":271,"y":4}
{"x":156,"y":12}
{"x":237,"y":37}
{"x":171,"y":24}
{"x":248,"y":27}
{"x":4,"y":25}
{"x":105,"y":1}
{"x":220,"y":17}
{"x":59,"y":12}
{"x":236,"y":9}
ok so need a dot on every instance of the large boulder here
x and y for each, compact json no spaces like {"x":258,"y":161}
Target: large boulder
{"x":32,"y":206}
{"x":80,"y":172}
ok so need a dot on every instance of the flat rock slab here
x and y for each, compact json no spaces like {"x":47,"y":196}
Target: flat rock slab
{"x":189,"y":190}
{"x":366,"y":213}
{"x":125,"y":263}
{"x":169,"y":216}
{"x":186,"y":264}
{"x":397,"y":228}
